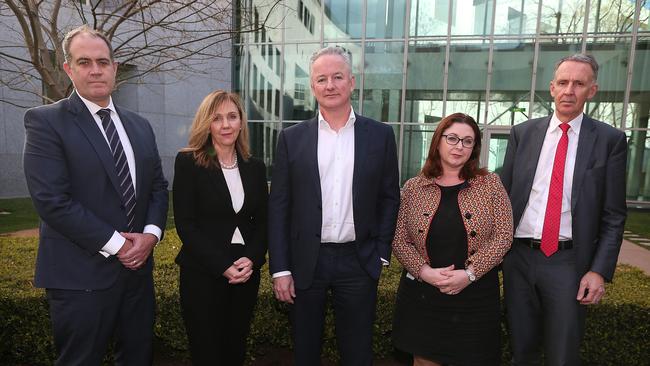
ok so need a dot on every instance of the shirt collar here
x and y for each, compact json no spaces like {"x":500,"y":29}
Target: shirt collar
{"x":322,"y":123}
{"x":575,"y":124}
{"x":94,"y":108}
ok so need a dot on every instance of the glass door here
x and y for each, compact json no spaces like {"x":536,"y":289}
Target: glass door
{"x":493,"y":151}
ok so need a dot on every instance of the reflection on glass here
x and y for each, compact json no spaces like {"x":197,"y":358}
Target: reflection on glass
{"x":562,"y":16}
{"x":549,"y":54}
{"x":385,"y":18}
{"x":638,"y":165}
{"x":512,"y":66}
{"x":425,"y":72}
{"x":343,"y":19}
{"x":263,"y":138}
{"x":471,"y":17}
{"x":612,"y":56}
{"x":515,"y":17}
{"x":382,"y":95}
{"x":496,"y":151}
{"x":303,"y":21}
{"x":639,"y":107}
{"x":297,"y":100}
{"x":429,"y":17}
{"x":614,"y":16}
{"x":468,"y":64}
{"x":417,"y":139}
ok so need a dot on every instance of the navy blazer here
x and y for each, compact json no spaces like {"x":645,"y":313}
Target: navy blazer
{"x":206,"y":221}
{"x":295,"y":210}
{"x":70,"y":173}
{"x":598,"y":207}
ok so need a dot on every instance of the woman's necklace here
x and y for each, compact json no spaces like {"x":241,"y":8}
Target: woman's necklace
{"x":231,"y":166}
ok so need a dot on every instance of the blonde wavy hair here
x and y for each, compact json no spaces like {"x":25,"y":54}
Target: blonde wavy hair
{"x":200,"y":141}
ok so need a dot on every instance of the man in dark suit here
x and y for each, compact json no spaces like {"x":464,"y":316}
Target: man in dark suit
{"x":565,"y":175}
{"x":332,"y":212}
{"x":95,"y":178}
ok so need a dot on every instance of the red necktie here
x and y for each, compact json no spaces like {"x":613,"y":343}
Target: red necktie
{"x":551,"y":230}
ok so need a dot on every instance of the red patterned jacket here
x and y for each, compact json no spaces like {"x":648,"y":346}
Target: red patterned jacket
{"x":487,"y":216}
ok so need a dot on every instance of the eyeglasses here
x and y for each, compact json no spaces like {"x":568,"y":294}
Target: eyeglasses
{"x":453,"y":140}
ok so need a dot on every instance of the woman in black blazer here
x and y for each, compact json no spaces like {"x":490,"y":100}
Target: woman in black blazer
{"x":220,"y":205}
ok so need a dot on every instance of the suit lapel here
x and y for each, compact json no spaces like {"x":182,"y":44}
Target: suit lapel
{"x":312,"y":151}
{"x":219,"y":181}
{"x":360,"y":152}
{"x":246,"y":179}
{"x":87,"y":124}
{"x":586,"y":142}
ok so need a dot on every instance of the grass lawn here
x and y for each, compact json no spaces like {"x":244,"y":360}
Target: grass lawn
{"x":638,"y":222}
{"x":19,"y":214}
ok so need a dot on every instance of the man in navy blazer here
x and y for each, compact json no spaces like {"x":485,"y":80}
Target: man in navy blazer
{"x":332,"y":212}
{"x":546,"y":292}
{"x":98,"y":225}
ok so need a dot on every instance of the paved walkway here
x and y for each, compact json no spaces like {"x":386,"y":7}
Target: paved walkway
{"x":634,"y":255}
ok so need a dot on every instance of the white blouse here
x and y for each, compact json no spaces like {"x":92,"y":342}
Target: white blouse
{"x":236,"y":189}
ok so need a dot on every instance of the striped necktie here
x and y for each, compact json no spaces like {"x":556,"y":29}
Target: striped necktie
{"x":121,"y":166}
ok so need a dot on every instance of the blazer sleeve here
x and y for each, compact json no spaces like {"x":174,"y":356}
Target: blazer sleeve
{"x":199,"y":244}
{"x":403,"y":244}
{"x":614,"y":211}
{"x":159,"y":196}
{"x":389,"y":197}
{"x":279,"y":206}
{"x":256,"y":251}
{"x":491,"y":253}
{"x":50,"y":186}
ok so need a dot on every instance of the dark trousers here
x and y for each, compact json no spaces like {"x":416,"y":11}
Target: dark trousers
{"x":354,"y":296}
{"x":543,"y":313}
{"x":217,"y":316}
{"x":83,"y":321}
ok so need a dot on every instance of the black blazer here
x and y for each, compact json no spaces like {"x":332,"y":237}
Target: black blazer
{"x":205,"y":219}
{"x":70,"y":173}
{"x":295,"y":210}
{"x":598,"y":207}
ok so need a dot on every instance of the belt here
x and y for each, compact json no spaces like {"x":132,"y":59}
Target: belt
{"x":536,"y":243}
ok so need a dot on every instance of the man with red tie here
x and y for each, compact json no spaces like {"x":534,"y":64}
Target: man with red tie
{"x":565,"y":175}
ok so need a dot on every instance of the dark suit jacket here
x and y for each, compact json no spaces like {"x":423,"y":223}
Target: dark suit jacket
{"x":71,"y":177}
{"x":295,"y":210}
{"x":598,"y":206}
{"x":205,"y":219}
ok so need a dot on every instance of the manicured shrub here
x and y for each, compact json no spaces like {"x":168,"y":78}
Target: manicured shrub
{"x":617,"y":330}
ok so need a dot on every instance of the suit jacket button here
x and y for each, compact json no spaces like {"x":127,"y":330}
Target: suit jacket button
{"x":468,"y":215}
{"x":472,"y":233}
{"x":420,"y":231}
{"x":472,"y":252}
{"x":426,"y":214}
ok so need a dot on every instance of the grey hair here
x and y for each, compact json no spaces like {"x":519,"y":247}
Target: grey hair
{"x":87,"y":30}
{"x":332,"y":50}
{"x":581,"y":57}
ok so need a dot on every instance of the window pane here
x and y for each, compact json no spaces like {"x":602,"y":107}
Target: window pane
{"x":302,"y":21}
{"x":382,"y":94}
{"x":385,"y":18}
{"x":467,"y":78}
{"x":516,"y":17}
{"x":614,"y":16}
{"x":512,"y":67}
{"x":417,"y":139}
{"x":263,"y":137}
{"x":562,"y":16}
{"x":343,"y":19}
{"x":471,"y":17}
{"x":549,"y":54}
{"x":612,"y":55}
{"x":429,"y":18}
{"x":426,"y":65}
{"x":640,"y":91}
{"x":298,"y":102}
{"x":638,"y":164}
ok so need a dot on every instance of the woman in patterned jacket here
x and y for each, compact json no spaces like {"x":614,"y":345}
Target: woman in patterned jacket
{"x":453,"y":229}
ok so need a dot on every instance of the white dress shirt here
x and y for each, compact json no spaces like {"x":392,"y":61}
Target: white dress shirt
{"x":336,"y":169}
{"x":116,"y":241}
{"x":532,"y":220}
{"x":236,"y":189}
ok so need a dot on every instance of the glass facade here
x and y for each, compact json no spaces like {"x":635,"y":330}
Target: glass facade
{"x":416,"y":61}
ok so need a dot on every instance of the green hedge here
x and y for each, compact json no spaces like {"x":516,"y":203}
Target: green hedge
{"x":618,"y":330}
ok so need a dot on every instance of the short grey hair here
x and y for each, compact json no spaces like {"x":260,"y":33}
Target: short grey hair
{"x":580,"y":57}
{"x":87,"y":30}
{"x":332,"y":50}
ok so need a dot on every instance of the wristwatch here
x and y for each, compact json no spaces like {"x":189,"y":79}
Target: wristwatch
{"x":470,"y":275}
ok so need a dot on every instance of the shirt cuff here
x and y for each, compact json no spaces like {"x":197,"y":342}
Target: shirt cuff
{"x":153,"y":229}
{"x":384,"y":262}
{"x":281,"y":274}
{"x":113,"y":245}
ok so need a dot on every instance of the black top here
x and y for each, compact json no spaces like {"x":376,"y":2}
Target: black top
{"x":447,"y":238}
